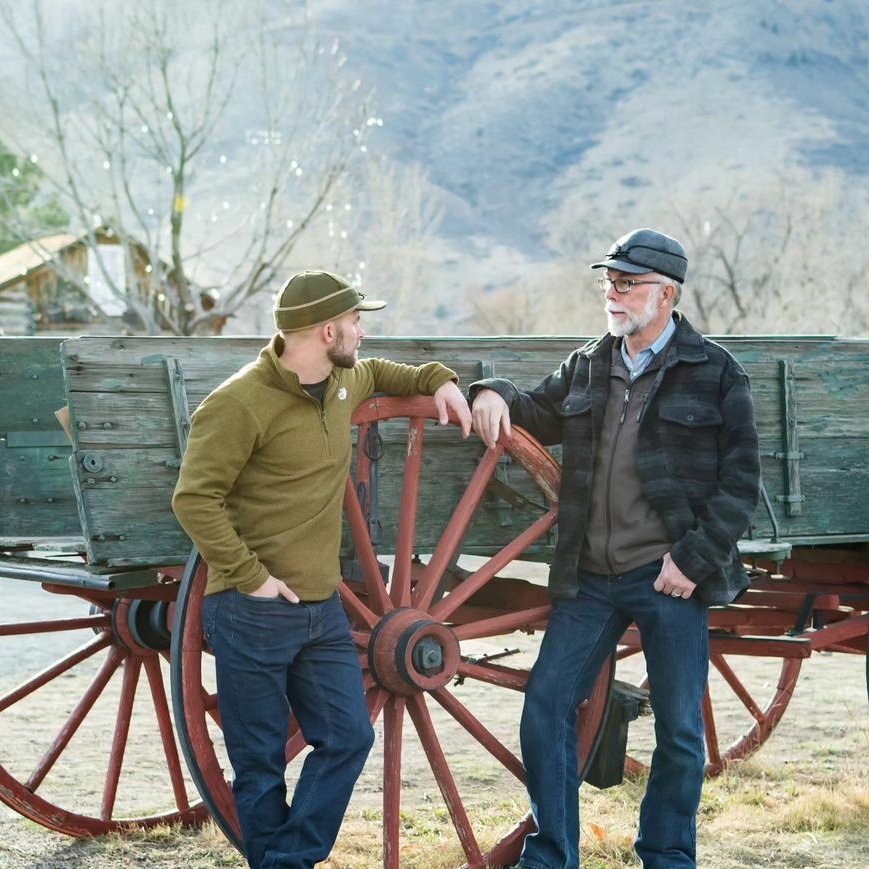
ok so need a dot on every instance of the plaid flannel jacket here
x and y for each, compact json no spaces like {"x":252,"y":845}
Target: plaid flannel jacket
{"x":697,"y":457}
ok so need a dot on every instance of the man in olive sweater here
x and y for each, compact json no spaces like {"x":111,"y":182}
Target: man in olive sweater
{"x":260,"y":493}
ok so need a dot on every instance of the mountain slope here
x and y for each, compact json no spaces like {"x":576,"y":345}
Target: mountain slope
{"x":536,"y":119}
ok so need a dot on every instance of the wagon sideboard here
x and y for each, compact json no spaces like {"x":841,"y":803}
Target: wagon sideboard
{"x":130,"y":401}
{"x":36,"y":493}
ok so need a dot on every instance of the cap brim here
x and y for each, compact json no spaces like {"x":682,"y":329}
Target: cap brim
{"x":622,"y":266}
{"x":370,"y":305}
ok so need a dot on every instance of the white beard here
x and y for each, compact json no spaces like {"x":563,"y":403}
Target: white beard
{"x":630,"y":323}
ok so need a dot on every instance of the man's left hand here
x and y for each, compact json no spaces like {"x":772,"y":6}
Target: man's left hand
{"x":449,"y":398}
{"x":672,"y":581}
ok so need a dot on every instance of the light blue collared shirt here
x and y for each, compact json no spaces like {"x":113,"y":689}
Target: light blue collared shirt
{"x":637,"y":366}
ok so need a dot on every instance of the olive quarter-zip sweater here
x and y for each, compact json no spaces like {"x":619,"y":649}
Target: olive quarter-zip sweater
{"x":261,"y":486}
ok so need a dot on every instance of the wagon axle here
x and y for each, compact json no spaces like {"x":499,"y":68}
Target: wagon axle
{"x":142,"y":625}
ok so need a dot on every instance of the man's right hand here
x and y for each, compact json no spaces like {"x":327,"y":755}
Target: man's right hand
{"x":274,"y":587}
{"x":490,"y":415}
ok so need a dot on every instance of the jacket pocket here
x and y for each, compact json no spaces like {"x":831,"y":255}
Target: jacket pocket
{"x":576,"y":405}
{"x":690,"y":414}
{"x":688,"y":432}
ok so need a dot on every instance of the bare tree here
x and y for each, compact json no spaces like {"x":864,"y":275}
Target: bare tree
{"x":208,"y":137}
{"x":386,"y":241}
{"x":731,"y":278}
{"x":551,"y":298}
{"x":790,"y":260}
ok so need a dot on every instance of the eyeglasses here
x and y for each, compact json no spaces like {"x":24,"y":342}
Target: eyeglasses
{"x":622,"y":285}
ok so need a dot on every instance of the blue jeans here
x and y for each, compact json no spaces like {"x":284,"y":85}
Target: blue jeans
{"x":272,"y":656}
{"x":581,"y":634}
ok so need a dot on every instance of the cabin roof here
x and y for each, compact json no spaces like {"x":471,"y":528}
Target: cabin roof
{"x":22,"y":260}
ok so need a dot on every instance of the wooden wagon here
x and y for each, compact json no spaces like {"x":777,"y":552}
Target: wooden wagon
{"x":444,"y":565}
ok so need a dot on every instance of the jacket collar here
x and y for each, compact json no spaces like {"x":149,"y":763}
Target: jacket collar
{"x":687,"y":345}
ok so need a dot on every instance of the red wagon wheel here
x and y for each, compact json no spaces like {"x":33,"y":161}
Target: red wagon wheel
{"x":79,"y":716}
{"x":417,"y":636}
{"x":746,"y":697}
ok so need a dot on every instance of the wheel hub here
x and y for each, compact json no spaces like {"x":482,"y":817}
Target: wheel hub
{"x":410,"y":652}
{"x":142,"y":625}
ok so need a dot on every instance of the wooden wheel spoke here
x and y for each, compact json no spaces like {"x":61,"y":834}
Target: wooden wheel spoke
{"x":50,"y":673}
{"x":448,"y":605}
{"x":737,"y":687}
{"x":363,"y":665}
{"x":499,"y":625}
{"x":74,"y":719}
{"x":355,"y":607}
{"x":51,"y":626}
{"x":365,"y":552}
{"x":479,"y":732}
{"x":399,"y":590}
{"x":375,"y":698}
{"x":751,"y":711}
{"x":455,"y":530}
{"x":713,"y":750}
{"x":99,"y":656}
{"x":503,"y":677}
{"x":121,"y":734}
{"x":393,"y":718}
{"x":211,"y":709}
{"x":446,"y":783}
{"x":295,"y":743}
{"x":167,"y":733}
{"x":764,"y":718}
{"x":361,"y":639}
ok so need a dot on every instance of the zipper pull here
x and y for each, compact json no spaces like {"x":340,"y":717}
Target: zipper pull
{"x":625,"y":406}
{"x":643,"y":408}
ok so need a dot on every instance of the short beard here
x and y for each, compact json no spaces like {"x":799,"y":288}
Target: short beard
{"x":339,"y":355}
{"x":632,"y":323}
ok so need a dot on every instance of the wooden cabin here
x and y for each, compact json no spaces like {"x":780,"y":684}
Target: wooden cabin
{"x":57,"y":284}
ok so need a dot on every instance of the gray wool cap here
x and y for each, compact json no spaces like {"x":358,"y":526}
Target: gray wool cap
{"x":647,"y":250}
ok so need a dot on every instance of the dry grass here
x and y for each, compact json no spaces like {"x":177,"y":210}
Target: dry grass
{"x":802,"y":801}
{"x":759,"y":814}
{"x":756,"y":815}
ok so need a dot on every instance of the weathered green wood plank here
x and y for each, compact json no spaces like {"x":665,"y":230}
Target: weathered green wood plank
{"x":118,"y":389}
{"x":834,"y":480}
{"x":126,"y":470}
{"x":37,"y":499}
{"x":36,"y":493}
{"x":149,"y":534}
{"x":112,"y":419}
{"x":31,"y":383}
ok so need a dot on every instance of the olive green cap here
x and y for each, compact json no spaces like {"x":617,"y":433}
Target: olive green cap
{"x":313,"y":297}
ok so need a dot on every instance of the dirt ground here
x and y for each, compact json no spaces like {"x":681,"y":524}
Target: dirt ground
{"x":825,"y":725}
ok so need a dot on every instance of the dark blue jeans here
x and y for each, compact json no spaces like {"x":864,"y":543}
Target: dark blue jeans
{"x":272,"y":656}
{"x":581,"y":633}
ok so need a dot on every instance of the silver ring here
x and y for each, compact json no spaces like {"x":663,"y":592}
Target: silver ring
{"x":675,"y":594}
